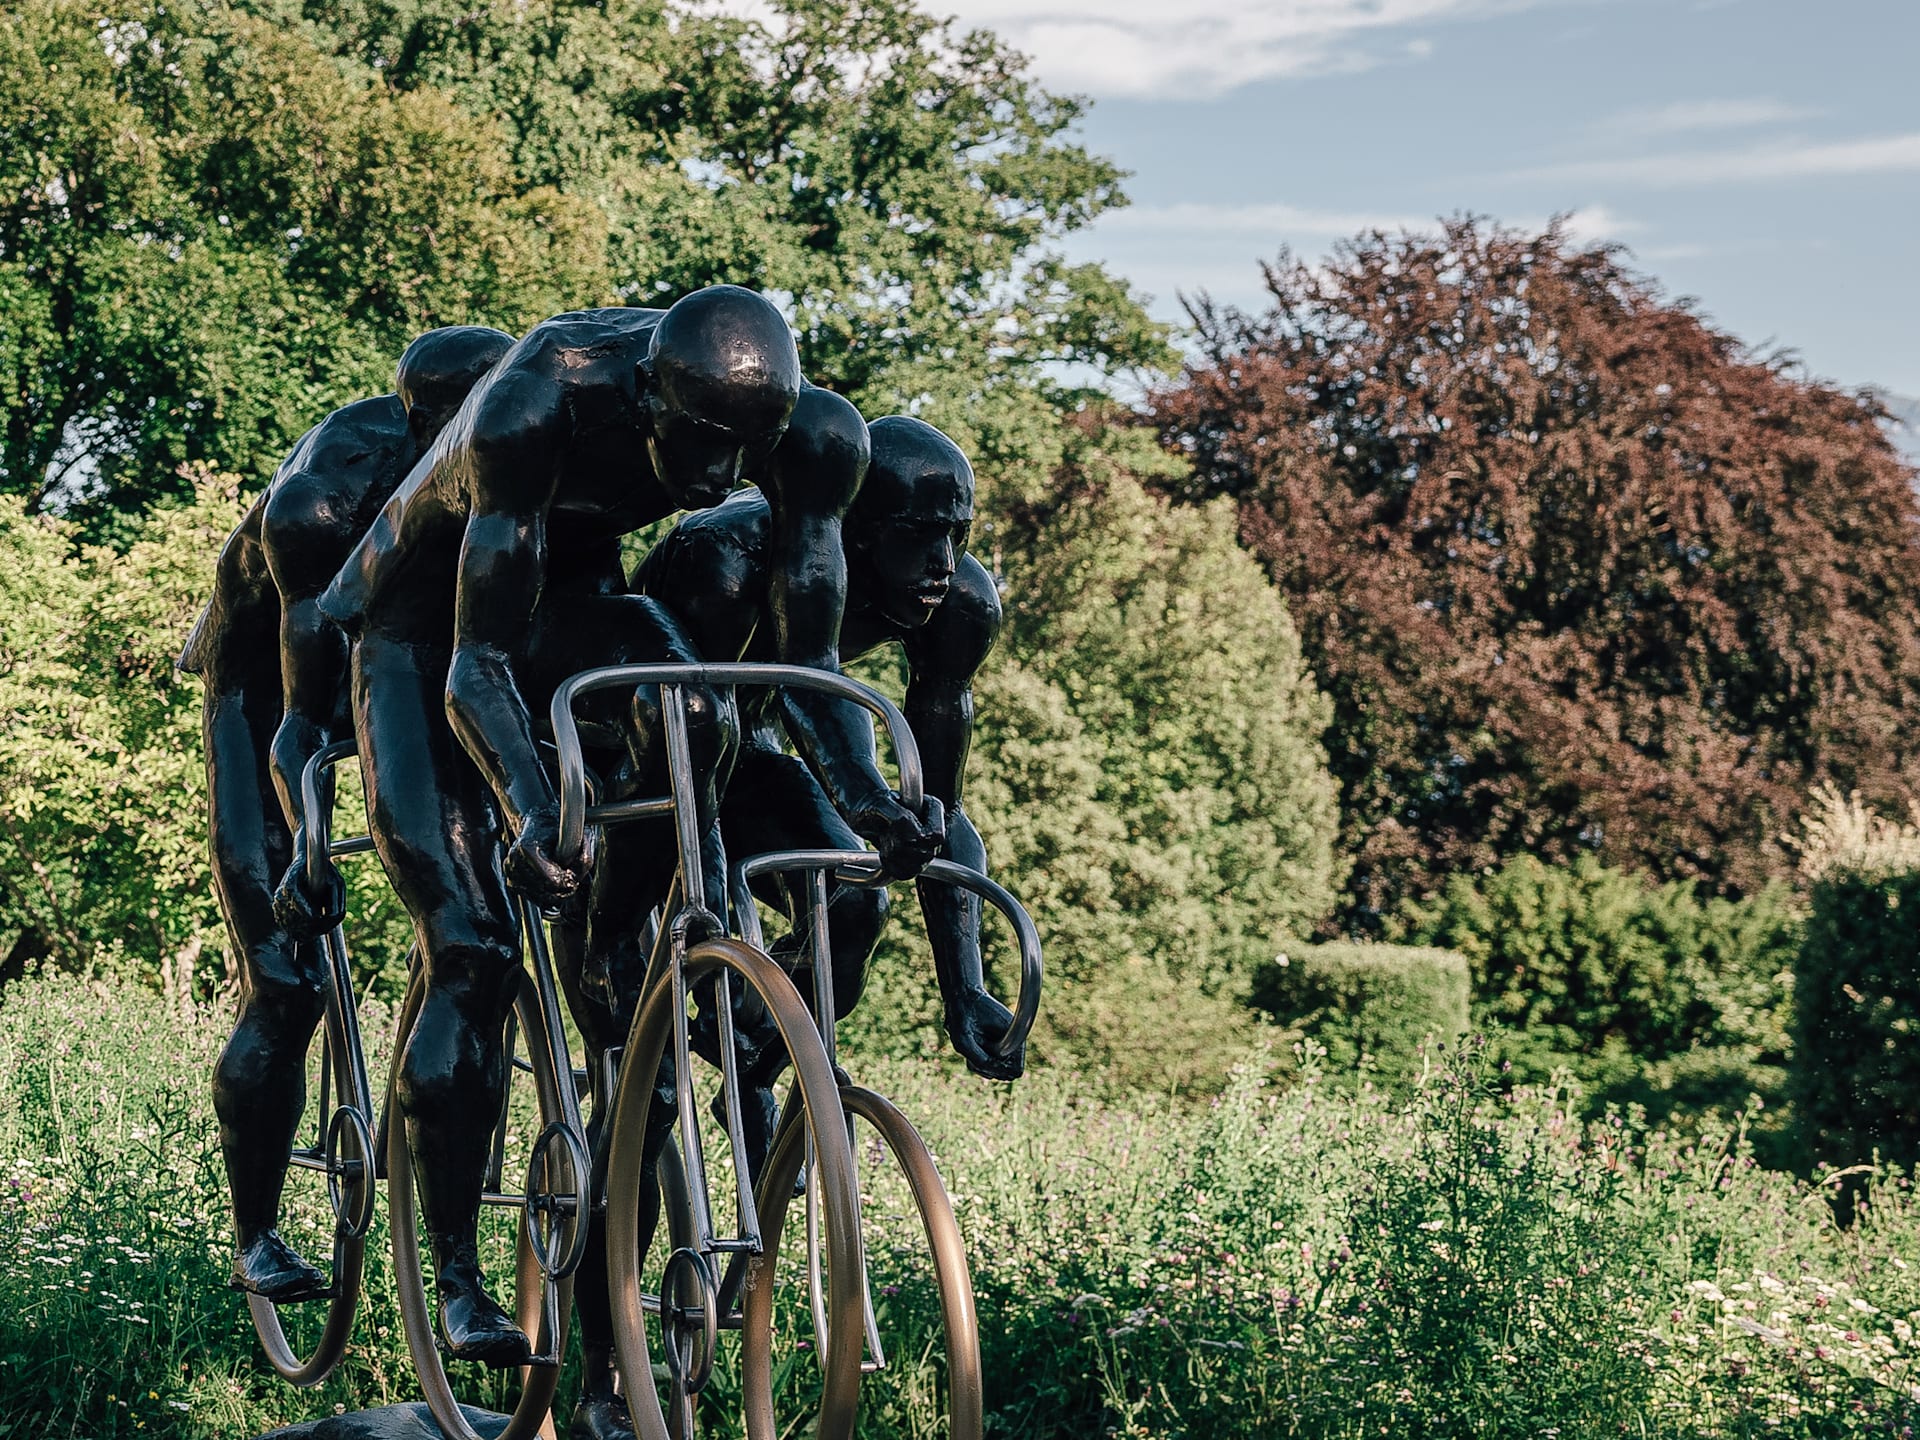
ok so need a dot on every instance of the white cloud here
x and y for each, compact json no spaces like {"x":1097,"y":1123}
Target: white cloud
{"x":1686,"y":115}
{"x":1787,"y":160}
{"x":1270,"y":223}
{"x":1591,"y":224}
{"x":1195,"y":49}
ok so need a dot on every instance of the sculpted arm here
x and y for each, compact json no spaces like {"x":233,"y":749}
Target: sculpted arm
{"x":509,"y":472}
{"x":812,"y":479}
{"x":943,"y":660}
{"x":303,"y":551}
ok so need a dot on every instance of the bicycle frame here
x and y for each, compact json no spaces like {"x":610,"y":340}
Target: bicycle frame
{"x":569,"y":1132}
{"x":852,"y":866}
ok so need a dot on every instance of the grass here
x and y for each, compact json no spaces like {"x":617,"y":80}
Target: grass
{"x":1459,"y":1260}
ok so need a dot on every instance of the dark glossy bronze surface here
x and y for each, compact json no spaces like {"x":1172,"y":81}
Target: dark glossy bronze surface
{"x":391,"y":1422}
{"x":273,"y":669}
{"x":911,"y":583}
{"x":491,"y":575}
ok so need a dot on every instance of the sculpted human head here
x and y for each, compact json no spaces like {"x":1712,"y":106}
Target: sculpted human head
{"x":719,"y":381}
{"x":909,"y":524}
{"x":438,"y":370}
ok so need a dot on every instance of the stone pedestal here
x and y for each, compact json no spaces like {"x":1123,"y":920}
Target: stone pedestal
{"x":392,"y":1422}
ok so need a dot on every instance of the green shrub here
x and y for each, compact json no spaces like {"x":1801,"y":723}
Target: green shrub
{"x":1601,"y":971}
{"x":1147,"y":775}
{"x":1856,"y":1050}
{"x":1374,"y":1005}
{"x":103,"y":810}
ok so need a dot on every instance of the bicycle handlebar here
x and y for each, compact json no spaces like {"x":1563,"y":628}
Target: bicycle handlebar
{"x":859,"y":867}
{"x":318,"y":823}
{"x":862,"y":867}
{"x":573,"y":764}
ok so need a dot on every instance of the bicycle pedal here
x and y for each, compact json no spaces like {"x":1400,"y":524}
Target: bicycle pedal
{"x":532,"y":1362}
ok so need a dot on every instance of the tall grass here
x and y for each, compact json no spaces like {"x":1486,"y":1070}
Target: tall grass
{"x":1280,"y":1262}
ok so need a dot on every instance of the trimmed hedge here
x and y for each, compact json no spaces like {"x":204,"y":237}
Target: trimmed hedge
{"x":1368,"y":1004}
{"x":1621,"y":980}
{"x":1856,"y":1033}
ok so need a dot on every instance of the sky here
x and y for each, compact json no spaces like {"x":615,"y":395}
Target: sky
{"x":1759,"y":156}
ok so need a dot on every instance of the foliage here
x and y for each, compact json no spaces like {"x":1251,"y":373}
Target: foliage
{"x":1650,"y":992}
{"x":1140,"y":636}
{"x":103,"y":809}
{"x":1856,"y":1050}
{"x":210,"y":235}
{"x":904,"y":182}
{"x":1581,"y":574}
{"x":1843,"y":836}
{"x":222,"y":218}
{"x":1147,"y":775}
{"x":101,"y":788}
{"x":1382,"y":1007}
{"x":1281,"y":1262}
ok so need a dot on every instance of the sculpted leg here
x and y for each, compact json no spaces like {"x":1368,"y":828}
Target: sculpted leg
{"x":452,"y":1085}
{"x":436,"y":829}
{"x":259,"y":1085}
{"x":604,"y":968}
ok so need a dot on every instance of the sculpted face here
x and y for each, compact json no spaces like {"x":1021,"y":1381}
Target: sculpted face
{"x":698,"y":461}
{"x":720,"y":381}
{"x":910,"y":525}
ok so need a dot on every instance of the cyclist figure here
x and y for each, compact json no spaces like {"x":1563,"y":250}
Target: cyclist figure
{"x":494,"y":574}
{"x":275,"y":693}
{"x":909,"y":582}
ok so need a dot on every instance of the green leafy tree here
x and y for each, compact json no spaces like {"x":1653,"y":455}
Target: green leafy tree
{"x":1179,"y":663}
{"x":103,"y":811}
{"x":1147,"y":773}
{"x":210,"y":236}
{"x":905,"y":184}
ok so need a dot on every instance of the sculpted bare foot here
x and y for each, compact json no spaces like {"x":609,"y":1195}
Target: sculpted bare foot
{"x":271,"y":1268}
{"x":475,"y":1326}
{"x":601,"y":1417}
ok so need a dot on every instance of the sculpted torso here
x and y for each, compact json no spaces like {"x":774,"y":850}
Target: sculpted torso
{"x":562,"y":408}
{"x":296,"y":533}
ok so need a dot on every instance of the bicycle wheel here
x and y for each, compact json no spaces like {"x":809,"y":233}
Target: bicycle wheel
{"x":343,"y":1152}
{"x":691,"y":1281}
{"x":917,"y":1184}
{"x":542,"y":1301}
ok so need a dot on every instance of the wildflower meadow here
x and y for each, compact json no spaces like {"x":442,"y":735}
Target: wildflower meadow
{"x":1457,"y":1257}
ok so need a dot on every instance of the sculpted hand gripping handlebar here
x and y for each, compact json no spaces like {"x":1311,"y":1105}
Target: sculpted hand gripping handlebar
{"x":862,"y":867}
{"x":574,"y":811}
{"x":854,"y":866}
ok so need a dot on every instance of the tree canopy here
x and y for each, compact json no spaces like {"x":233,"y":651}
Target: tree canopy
{"x":210,"y":235}
{"x":221,"y":218}
{"x":1580,"y":573}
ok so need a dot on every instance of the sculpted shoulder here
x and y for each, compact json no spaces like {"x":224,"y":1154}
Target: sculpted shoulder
{"x":583,"y":333}
{"x":373,"y":430}
{"x":821,"y":460}
{"x":244,"y":604}
{"x":321,"y":500}
{"x":957,"y":640}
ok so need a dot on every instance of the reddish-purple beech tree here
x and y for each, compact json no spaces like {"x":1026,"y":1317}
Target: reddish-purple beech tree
{"x":1580,"y":572}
